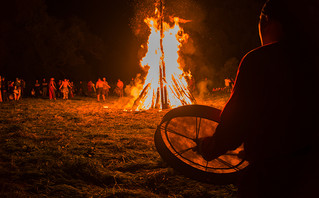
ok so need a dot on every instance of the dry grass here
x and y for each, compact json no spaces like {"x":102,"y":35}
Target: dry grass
{"x":77,"y":148}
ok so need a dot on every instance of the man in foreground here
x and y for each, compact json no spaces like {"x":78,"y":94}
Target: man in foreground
{"x":273,"y":108}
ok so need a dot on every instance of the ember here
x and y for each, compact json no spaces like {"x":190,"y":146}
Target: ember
{"x":165,"y":84}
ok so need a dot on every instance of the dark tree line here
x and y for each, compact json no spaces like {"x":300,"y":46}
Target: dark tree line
{"x":34,"y":43}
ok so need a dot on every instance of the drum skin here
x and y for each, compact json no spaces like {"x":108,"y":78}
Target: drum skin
{"x":176,"y":139}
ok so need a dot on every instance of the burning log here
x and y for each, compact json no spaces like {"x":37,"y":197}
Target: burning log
{"x":181,"y":92}
{"x":141,"y":97}
{"x":164,"y":97}
{"x":156,"y":99}
{"x":157,"y":104}
{"x":186,"y":92}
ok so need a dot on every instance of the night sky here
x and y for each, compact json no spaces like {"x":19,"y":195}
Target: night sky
{"x":83,"y":40}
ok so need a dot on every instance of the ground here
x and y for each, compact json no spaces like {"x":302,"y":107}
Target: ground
{"x":84,"y":148}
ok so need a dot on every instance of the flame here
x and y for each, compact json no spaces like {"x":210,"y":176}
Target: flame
{"x":175,"y":82}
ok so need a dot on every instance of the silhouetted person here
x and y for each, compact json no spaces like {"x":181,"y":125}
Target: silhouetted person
{"x":17,"y":85}
{"x":10,"y":90}
{"x":59,"y":91}
{"x":80,"y":89}
{"x":4,"y":89}
{"x":52,"y":89}
{"x":120,"y":87}
{"x":37,"y":88}
{"x":91,"y":88}
{"x":99,"y":88}
{"x":23,"y":86}
{"x":64,"y":87}
{"x":44,"y":86}
{"x":72,"y":88}
{"x":273,"y":109}
{"x":106,"y":88}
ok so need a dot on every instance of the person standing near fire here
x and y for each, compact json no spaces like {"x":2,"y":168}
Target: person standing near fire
{"x":99,"y":89}
{"x":65,"y":89}
{"x":4,"y":89}
{"x":44,"y":86}
{"x":120,"y":87}
{"x":72,"y":89}
{"x":58,"y":91}
{"x":10,"y":90}
{"x":52,"y":88}
{"x":228,"y":86}
{"x":279,"y":128}
{"x":91,"y":88}
{"x":18,"y":87}
{"x":37,"y":88}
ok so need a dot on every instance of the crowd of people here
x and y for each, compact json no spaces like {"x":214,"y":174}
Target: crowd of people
{"x":11,"y":90}
{"x":52,"y":89}
{"x":66,"y":89}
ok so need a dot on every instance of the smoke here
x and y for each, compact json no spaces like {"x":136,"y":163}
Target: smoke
{"x":204,"y":88}
{"x":136,"y":85}
{"x":193,"y":57}
{"x":131,"y":92}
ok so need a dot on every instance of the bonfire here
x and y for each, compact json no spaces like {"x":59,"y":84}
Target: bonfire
{"x":166,"y":83}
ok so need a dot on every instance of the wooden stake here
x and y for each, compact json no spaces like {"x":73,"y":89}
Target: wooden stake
{"x":164,"y":97}
{"x":141,"y":97}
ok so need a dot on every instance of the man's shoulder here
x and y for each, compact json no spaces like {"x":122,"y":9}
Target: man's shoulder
{"x":263,"y":54}
{"x":265,"y":50}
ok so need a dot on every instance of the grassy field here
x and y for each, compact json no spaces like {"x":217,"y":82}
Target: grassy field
{"x":84,"y":148}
